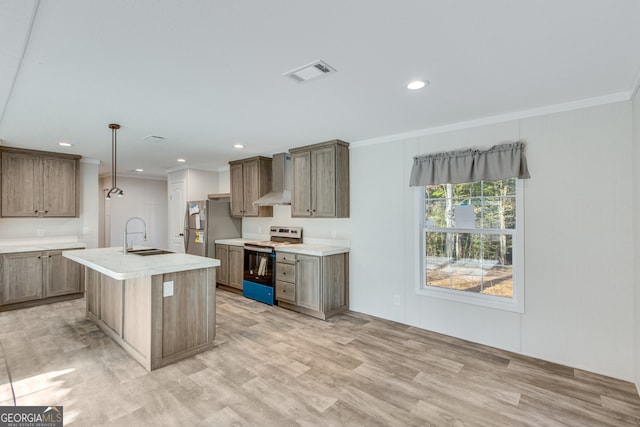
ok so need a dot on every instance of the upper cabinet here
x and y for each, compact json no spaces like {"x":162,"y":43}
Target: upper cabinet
{"x":39,"y":184}
{"x":321,"y":180}
{"x":250,"y":180}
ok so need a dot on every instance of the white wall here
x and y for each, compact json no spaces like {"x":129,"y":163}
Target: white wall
{"x":314,"y":231}
{"x":224,"y":181}
{"x":579,"y":263}
{"x":84,"y":228}
{"x":145,"y":198}
{"x":636,"y":210}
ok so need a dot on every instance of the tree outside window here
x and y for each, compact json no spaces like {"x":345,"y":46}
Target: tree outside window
{"x":469,"y":236}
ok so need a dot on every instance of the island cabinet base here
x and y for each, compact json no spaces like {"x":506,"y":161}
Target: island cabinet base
{"x":157,"y":319}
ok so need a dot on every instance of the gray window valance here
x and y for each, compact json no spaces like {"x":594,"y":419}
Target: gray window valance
{"x":499,"y":162}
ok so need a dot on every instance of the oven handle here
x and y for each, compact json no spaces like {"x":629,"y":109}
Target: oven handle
{"x":258,"y":249}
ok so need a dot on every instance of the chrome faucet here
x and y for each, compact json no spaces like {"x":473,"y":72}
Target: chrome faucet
{"x":125,"y":247}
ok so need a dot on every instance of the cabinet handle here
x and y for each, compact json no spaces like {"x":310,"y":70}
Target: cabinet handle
{"x":307,"y":210}
{"x":48,"y":212}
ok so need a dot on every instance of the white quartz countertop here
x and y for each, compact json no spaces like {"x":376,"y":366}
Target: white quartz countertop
{"x":35,"y":247}
{"x":234,"y":242}
{"x":317,"y":250}
{"x":296,"y":248}
{"x":113,"y":263}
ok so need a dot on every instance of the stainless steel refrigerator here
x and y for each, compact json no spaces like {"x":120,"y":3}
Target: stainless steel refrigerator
{"x":205,"y":221}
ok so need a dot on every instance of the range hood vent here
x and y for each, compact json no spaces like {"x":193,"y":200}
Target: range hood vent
{"x":280,"y":182}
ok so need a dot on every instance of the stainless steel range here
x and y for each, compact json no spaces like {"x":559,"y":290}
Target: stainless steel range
{"x":259,"y":263}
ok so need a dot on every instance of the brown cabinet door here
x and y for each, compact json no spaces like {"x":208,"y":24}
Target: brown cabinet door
{"x":61,"y":276}
{"x":21,"y":175}
{"x":237,"y":189}
{"x":93,"y":292}
{"x":111,"y":295}
{"x":222,"y":274}
{"x":60,"y":187}
{"x":251,"y":179}
{"x":21,"y":277}
{"x":236,"y":266}
{"x":308,"y":282}
{"x":301,"y":195}
{"x":184,"y":314}
{"x":323,"y":182}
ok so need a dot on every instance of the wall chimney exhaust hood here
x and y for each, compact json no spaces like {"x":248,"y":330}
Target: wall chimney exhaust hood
{"x":280,"y":182}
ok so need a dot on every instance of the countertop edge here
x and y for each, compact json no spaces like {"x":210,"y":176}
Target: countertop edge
{"x":42,"y":247}
{"x":233,"y":242}
{"x":147,"y":271}
{"x":315,"y":251}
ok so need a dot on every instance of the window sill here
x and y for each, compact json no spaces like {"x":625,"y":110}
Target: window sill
{"x":515,"y":305}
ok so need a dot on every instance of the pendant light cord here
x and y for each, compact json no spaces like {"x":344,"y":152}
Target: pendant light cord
{"x":114,"y":158}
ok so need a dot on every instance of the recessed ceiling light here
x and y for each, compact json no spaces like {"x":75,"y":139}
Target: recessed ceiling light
{"x":181,"y":160}
{"x":417,"y":84}
{"x":238,"y":146}
{"x":65,"y":144}
{"x":138,"y":170}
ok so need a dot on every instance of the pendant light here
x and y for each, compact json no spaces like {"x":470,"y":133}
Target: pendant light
{"x":114,"y":188}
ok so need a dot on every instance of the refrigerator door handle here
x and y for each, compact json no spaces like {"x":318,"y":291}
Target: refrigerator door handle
{"x":185,"y":237}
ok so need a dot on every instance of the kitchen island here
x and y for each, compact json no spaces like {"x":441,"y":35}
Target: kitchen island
{"x":158,"y":308}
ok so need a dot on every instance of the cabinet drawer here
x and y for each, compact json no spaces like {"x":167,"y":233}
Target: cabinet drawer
{"x":285,"y":257}
{"x":286,"y":291}
{"x":286,"y":272}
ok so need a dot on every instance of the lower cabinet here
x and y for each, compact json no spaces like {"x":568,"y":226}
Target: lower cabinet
{"x":236,"y":266}
{"x":222,"y":275}
{"x":314,"y":285}
{"x":231,"y":267}
{"x":21,"y":277}
{"x":36,"y":276}
{"x":61,"y":276}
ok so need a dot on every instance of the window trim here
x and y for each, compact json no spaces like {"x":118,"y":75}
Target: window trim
{"x":514,"y":304}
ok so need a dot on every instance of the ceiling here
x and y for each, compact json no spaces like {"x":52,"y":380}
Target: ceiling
{"x":207,"y":74}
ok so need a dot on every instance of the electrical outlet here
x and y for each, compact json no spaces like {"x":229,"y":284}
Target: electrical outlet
{"x":40,"y":232}
{"x":167,"y":289}
{"x":396,"y":299}
{"x":334,"y":233}
{"x":85,"y":230}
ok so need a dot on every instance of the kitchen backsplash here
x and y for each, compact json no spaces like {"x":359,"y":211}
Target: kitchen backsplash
{"x":317,"y":231}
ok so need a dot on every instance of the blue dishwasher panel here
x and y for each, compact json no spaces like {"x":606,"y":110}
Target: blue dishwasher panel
{"x":258,"y":292}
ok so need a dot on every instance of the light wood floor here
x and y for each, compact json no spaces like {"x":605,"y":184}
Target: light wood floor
{"x":273,"y":367}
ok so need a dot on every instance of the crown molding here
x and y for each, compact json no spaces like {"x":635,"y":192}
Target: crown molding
{"x":500,"y":118}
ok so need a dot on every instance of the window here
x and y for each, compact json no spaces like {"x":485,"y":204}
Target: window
{"x":471,"y":243}
{"x":471,"y":246}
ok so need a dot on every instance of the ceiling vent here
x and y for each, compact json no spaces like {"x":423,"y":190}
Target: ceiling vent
{"x":310,"y":71}
{"x":154,"y":139}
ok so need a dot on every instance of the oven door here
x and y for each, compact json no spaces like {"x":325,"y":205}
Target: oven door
{"x":258,"y":265}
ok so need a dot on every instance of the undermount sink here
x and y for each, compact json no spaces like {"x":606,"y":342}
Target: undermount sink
{"x":149,"y":251}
